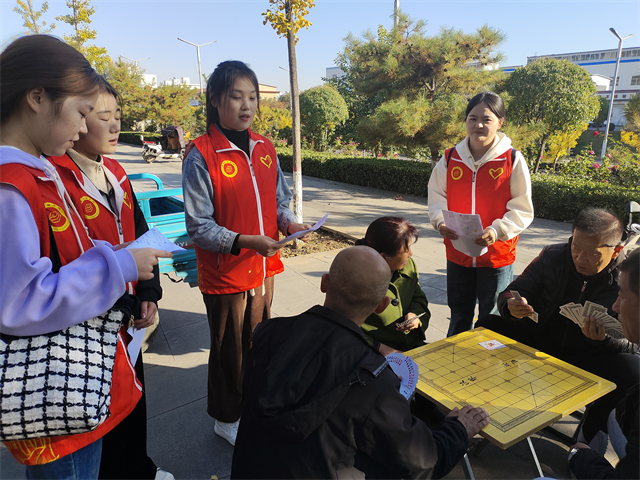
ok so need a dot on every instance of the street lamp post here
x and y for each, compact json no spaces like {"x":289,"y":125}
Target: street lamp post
{"x":613,"y":91}
{"x":135,"y":62}
{"x":199,"y":65}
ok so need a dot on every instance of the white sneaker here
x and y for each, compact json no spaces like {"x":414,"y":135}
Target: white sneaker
{"x":228,"y":431}
{"x":163,"y":475}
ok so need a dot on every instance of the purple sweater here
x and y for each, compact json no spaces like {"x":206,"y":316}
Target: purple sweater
{"x":33,"y":299}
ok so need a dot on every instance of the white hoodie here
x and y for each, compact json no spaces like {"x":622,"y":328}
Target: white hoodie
{"x":519,"y":213}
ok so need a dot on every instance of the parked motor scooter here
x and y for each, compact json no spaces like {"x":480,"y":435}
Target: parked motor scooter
{"x":171,"y":145}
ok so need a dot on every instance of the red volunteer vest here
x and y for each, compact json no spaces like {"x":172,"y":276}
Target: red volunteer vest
{"x":47,"y":206}
{"x":486,"y":193}
{"x":245,"y":203}
{"x":101,"y":222}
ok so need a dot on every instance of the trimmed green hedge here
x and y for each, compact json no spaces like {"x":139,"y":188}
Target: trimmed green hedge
{"x":133,"y":138}
{"x":561,"y":198}
{"x":401,"y":176}
{"x":554,"y":197}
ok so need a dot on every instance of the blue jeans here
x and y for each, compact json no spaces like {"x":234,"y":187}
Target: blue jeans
{"x":83,"y":464}
{"x":465,"y":285}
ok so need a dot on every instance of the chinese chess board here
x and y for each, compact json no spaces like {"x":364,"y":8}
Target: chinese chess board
{"x":523,"y":390}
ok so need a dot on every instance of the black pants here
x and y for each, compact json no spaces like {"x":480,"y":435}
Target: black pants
{"x":124,"y":449}
{"x":623,"y":369}
{"x":232,"y":319}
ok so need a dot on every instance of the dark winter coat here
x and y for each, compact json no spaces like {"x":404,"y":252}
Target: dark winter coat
{"x":550,"y":281}
{"x":321,"y":403}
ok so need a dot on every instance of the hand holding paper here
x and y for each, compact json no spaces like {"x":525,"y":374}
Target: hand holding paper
{"x":301,"y":233}
{"x":468,"y":228}
{"x":155,"y":239}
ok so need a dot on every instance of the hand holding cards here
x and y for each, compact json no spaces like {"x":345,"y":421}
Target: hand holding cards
{"x":577,"y":313}
{"x":533,"y":315}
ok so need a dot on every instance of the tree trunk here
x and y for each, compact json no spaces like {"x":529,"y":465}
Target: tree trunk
{"x":295,"y":120}
{"x":540,"y":152}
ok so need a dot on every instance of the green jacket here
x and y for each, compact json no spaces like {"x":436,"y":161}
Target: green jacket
{"x":404,"y":287}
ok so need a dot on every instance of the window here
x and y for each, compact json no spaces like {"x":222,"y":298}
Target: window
{"x":635,"y":80}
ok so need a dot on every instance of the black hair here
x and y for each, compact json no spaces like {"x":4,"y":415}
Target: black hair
{"x":389,"y":235}
{"x":106,"y":87}
{"x":631,"y":266}
{"x":43,"y":61}
{"x":493,"y":101}
{"x":600,"y":222}
{"x":221,"y":82}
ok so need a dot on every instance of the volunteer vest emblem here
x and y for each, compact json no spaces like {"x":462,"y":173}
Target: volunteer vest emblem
{"x":126,"y":200}
{"x":90,"y":208}
{"x":456,"y":173}
{"x":266,"y":160}
{"x":229,"y":169}
{"x":496,"y":172}
{"x":57,"y":217}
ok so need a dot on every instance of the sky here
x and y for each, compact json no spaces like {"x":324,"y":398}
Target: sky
{"x":149,"y":28}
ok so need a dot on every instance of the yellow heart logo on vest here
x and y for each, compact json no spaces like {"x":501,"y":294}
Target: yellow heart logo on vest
{"x":57,"y":217}
{"x":456,"y":173}
{"x":266,"y":160}
{"x":126,"y":200}
{"x":89,"y":208}
{"x":495,"y":173}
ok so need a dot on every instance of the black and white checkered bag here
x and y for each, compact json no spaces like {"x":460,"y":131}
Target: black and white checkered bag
{"x":59,"y":383}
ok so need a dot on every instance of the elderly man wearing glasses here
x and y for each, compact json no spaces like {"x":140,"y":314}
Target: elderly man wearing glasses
{"x":583,"y":269}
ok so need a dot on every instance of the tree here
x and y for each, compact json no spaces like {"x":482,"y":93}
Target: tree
{"x":274,"y":117}
{"x":127,"y":79}
{"x":556,"y":95}
{"x":321,"y":109}
{"x":79,"y":19}
{"x":422,"y":83}
{"x":560,"y":143}
{"x":603,"y":112}
{"x":30,"y":16}
{"x":632,"y":114}
{"x":286,"y":18}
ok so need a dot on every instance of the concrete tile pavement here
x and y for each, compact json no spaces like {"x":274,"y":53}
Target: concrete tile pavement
{"x":180,"y":433}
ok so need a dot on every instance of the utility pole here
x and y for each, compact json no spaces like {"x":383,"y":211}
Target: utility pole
{"x":199,"y":65}
{"x":396,"y":11}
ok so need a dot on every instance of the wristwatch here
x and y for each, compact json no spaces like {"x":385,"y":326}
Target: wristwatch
{"x":572,"y":452}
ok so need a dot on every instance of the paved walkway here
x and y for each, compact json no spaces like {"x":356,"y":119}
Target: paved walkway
{"x":181,"y":437}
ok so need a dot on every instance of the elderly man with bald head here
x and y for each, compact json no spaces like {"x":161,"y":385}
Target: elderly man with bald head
{"x":322,"y":403}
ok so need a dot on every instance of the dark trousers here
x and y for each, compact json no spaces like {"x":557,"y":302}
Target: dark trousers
{"x":465,"y":285}
{"x":232,"y":319}
{"x":623,"y":369}
{"x":124,"y":449}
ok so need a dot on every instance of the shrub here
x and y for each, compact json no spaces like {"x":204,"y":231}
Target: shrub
{"x":401,"y":176}
{"x":555,"y":197}
{"x":561,"y":198}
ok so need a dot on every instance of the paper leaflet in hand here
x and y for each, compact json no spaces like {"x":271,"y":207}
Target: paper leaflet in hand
{"x":407,"y":370}
{"x":155,"y":239}
{"x":468,"y":227}
{"x":302,"y":233}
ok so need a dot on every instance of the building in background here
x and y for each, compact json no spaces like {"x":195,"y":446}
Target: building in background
{"x":150,"y":79}
{"x":334,"y":72}
{"x":268,"y":91}
{"x":181,"y":81}
{"x":601,"y":64}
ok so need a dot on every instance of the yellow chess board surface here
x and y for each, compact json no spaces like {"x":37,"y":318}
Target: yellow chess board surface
{"x":522,"y":389}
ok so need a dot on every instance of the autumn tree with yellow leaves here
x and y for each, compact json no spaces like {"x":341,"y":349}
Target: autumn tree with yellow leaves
{"x":80,"y":18}
{"x":31,"y":17}
{"x":287,"y":17}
